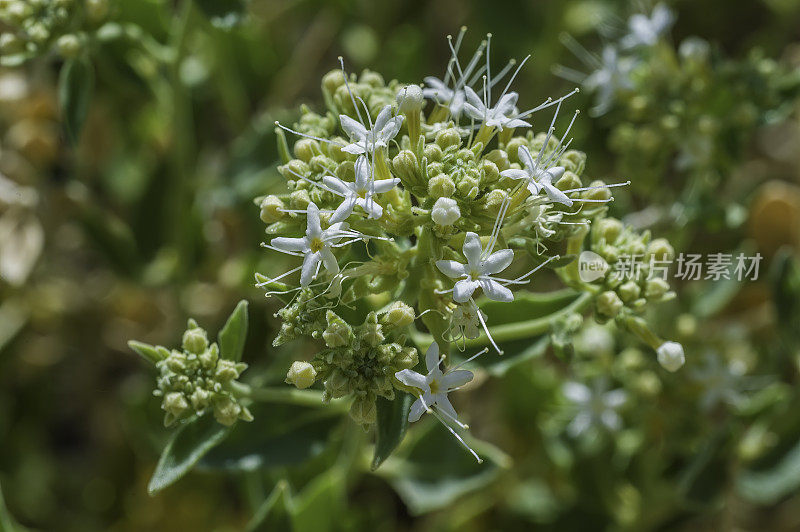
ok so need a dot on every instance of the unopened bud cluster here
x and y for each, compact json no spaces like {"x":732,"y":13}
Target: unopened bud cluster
{"x":195,"y":380}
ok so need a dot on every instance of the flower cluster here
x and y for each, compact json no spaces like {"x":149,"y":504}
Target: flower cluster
{"x":196,"y":380}
{"x":399,"y":216}
{"x":36,"y":26}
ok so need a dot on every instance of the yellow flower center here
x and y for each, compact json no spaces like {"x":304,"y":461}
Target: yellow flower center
{"x":474,"y":275}
{"x":434,"y":385}
{"x":316,"y":244}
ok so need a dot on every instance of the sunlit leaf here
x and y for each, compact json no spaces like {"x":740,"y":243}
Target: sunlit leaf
{"x":233,"y":335}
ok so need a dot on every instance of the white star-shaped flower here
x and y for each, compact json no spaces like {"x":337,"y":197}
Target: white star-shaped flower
{"x":594,"y":407}
{"x":644,"y":30}
{"x":478,"y":271}
{"x":360,"y":192}
{"x":539,"y":176}
{"x":365,"y":140}
{"x":439,"y":92}
{"x":433,"y":387}
{"x":503,"y":114}
{"x":465,"y":318}
{"x":613,"y":73}
{"x":315,"y":247}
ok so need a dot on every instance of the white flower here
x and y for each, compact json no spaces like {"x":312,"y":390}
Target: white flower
{"x":433,"y":387}
{"x":595,"y":406}
{"x":439,"y":92}
{"x":360,"y":192}
{"x":466,"y":320}
{"x":504,"y":114}
{"x":445,"y":211}
{"x":539,"y":176}
{"x":365,"y":140}
{"x":670,"y":356}
{"x":644,"y":30}
{"x":315,"y":247}
{"x":611,"y":75}
{"x":478,"y":271}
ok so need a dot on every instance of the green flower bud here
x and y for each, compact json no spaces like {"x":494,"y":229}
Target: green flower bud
{"x":305,"y":149}
{"x":227,"y":411}
{"x":448,"y":137}
{"x":176,"y":361}
{"x":332,"y":81}
{"x":228,"y":370}
{"x":175,"y":404}
{"x":499,"y":158}
{"x":272,"y":209}
{"x":96,"y":10}
{"x":398,"y":315}
{"x":371,"y":332}
{"x":609,"y":304}
{"x":512,"y":148}
{"x":655,"y":288}
{"x":629,"y":291}
{"x":337,"y":384}
{"x":686,"y":325}
{"x":434,"y":169}
{"x":299,"y":199}
{"x":603,"y":193}
{"x":301,"y":374}
{"x":406,"y":167}
{"x":441,"y":186}
{"x":468,"y":187}
{"x":490,"y":172}
{"x":338,"y":333}
{"x":660,"y":249}
{"x":364,"y":411}
{"x":648,"y":384}
{"x":208,"y":358}
{"x":569,"y":181}
{"x":373,"y":79}
{"x":294,"y":168}
{"x":609,"y":229}
{"x":68,"y":46}
{"x":574,"y":161}
{"x":195,"y":340}
{"x":200,"y":399}
{"x":433,"y":153}
{"x":445,"y":212}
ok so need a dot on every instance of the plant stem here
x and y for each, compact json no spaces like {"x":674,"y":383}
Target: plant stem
{"x":287,"y":395}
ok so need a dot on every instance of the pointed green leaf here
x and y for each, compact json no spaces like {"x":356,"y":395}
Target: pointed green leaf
{"x":233,"y":335}
{"x":184,"y":449}
{"x":148,"y":352}
{"x":75,"y":87}
{"x":276,"y":506}
{"x":318,"y":506}
{"x":768,"y":486}
{"x":392,"y":425}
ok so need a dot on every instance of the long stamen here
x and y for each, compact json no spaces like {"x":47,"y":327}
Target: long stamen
{"x":485,"y":328}
{"x":548,"y":103}
{"x":290,"y":130}
{"x":295,"y":253}
{"x":269,"y":280}
{"x":470,"y":359}
{"x":510,"y":81}
{"x":347,"y":84}
{"x":536,"y":269}
{"x":580,"y":52}
{"x":459,"y":438}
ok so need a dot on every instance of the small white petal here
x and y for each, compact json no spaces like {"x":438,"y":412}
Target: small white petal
{"x":289,"y":244}
{"x":353,"y":128}
{"x":498,"y":261}
{"x":432,"y":357}
{"x":463,"y":290}
{"x":451,"y":268}
{"x":495,"y":291}
{"x":472,"y":249}
{"x":309,"y":268}
{"x":417,"y":409}
{"x":456,"y":378}
{"x":576,"y":392}
{"x":412,"y":378}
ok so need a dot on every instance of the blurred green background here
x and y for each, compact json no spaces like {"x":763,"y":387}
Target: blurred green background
{"x":149,"y":219}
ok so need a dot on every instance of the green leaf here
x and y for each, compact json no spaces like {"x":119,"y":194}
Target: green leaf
{"x":392,"y":425}
{"x":148,"y":352}
{"x":279,"y":437}
{"x":75,"y":87}
{"x":186,"y":447}
{"x":527,"y":306}
{"x":233,"y":335}
{"x":317,"y":507}
{"x":7,"y":522}
{"x":275,"y":507}
{"x":770,"y":485}
{"x":514,"y":354}
{"x":435,"y":470}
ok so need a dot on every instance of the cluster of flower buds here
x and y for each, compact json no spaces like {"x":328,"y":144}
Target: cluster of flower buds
{"x":420,"y":213}
{"x":195,"y":380}
{"x":33,"y":27}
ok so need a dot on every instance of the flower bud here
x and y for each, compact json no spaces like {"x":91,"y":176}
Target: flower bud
{"x":441,"y":186}
{"x":448,"y":137}
{"x":609,"y":304}
{"x":68,"y":46}
{"x":399,"y":315}
{"x":600,"y":192}
{"x":490,"y":172}
{"x":468,"y":187}
{"x":629,"y":291}
{"x":494,"y":200}
{"x":499,"y":158}
{"x":655,"y":288}
{"x":175,"y":404}
{"x":301,"y":374}
{"x":660,"y":249}
{"x":512,"y":148}
{"x":670,"y":356}
{"x":228,"y":370}
{"x":299,"y":199}
{"x":272,"y":209}
{"x":227,"y":411}
{"x":410,"y":99}
{"x":293,"y":168}
{"x":199,"y":399}
{"x":445,"y":211}
{"x":337,"y":385}
{"x":305,"y":149}
{"x":332,"y":81}
{"x":338,"y":333}
{"x":406,"y":167}
{"x":609,"y":229}
{"x":195,"y":340}
{"x":433,"y":152}
{"x":574,"y":161}
{"x":569,"y":181}
{"x":373,"y":79}
{"x":364,"y":411}
{"x":96,"y":9}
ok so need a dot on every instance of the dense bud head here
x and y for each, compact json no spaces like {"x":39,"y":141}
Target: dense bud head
{"x":433,"y":153}
{"x":332,"y":81}
{"x":656,"y":288}
{"x":660,"y":249}
{"x":338,"y":332}
{"x":301,"y":374}
{"x":609,"y":229}
{"x":629,"y":291}
{"x":306,"y":149}
{"x":227,"y":411}
{"x":195,"y":340}
{"x":364,"y":411}
{"x":448,"y":137}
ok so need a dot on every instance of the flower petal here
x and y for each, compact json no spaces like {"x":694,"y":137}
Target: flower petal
{"x":309,"y":268}
{"x":443,"y":403}
{"x":576,"y":392}
{"x":344,"y":210}
{"x":456,"y":378}
{"x":353,"y":128}
{"x":383,"y":118}
{"x":337,"y":185}
{"x":451,"y":268}
{"x":525,"y":157}
{"x":495,"y":291}
{"x":354,"y":149}
{"x":474,"y":100}
{"x":329,"y":260}
{"x":432,"y":357}
{"x":513,"y":173}
{"x":313,"y":228}
{"x":412,"y":378}
{"x":498,"y":261}
{"x":556,"y":195}
{"x":289,"y":244}
{"x":417,"y":409}
{"x":463,"y":290}
{"x":385,"y":185}
{"x":472,"y":249}
{"x":363,"y":173}
{"x":371,"y":207}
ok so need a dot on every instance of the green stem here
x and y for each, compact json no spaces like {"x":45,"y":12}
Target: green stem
{"x":287,"y":395}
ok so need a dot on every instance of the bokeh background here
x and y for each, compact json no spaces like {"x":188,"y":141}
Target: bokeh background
{"x":147,"y":218}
